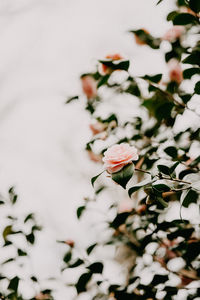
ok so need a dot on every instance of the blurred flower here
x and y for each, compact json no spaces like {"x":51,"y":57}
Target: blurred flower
{"x":125,"y":206}
{"x":94,"y":157}
{"x":97,"y":127}
{"x":105,"y":69}
{"x":117,"y":156}
{"x":89,"y":86}
{"x":175,"y":71}
{"x":138,"y":40}
{"x":185,"y":9}
{"x":42,"y":296}
{"x":70,"y":243}
{"x":173,"y":33}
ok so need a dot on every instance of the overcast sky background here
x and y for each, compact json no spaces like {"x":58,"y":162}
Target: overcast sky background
{"x":45,"y":46}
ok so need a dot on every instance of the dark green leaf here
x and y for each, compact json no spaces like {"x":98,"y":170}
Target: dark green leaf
{"x":163,"y":169}
{"x":123,"y":176}
{"x":191,"y":197}
{"x":195,"y":5}
{"x":185,"y":19}
{"x":96,"y":268}
{"x":171,"y":151}
{"x":103,"y":80}
{"x":21,"y":252}
{"x":76,"y":264}
{"x":197,"y":88}
{"x":193,"y":59}
{"x":29,"y":217}
{"x":13,"y":285}
{"x":80,"y":211}
{"x":70,"y":99}
{"x":188,"y":73}
{"x":30,"y":238}
{"x":95,"y":178}
{"x":90,"y":249}
{"x":82,"y":282}
{"x":154,"y":78}
{"x":138,"y":186}
{"x":119,"y":219}
{"x":67,"y":257}
{"x":161,"y":187}
{"x":173,"y":167}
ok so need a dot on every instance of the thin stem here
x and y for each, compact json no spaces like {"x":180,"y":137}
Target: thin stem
{"x":143,"y":171}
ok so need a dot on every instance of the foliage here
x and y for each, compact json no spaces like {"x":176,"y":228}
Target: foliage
{"x":164,"y":179}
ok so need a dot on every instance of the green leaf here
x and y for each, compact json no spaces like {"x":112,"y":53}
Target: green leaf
{"x":13,"y":285}
{"x":29,"y":217}
{"x":90,"y":248}
{"x":123,"y":176}
{"x":21,"y":252}
{"x":119,"y":220}
{"x":172,"y":15}
{"x":79,"y":211}
{"x":138,"y":186}
{"x":95,"y":178}
{"x":103,"y":80}
{"x":76,"y":264}
{"x":96,"y":268}
{"x":188,"y":73}
{"x":171,"y":151}
{"x":7,"y":231}
{"x":154,"y":78}
{"x":163,"y":169}
{"x":173,"y":167}
{"x":70,"y":99}
{"x":82,"y":282}
{"x":191,"y":197}
{"x":161,"y":187}
{"x":195,"y":5}
{"x":67,"y":257}
{"x":193,"y":58}
{"x":197,"y":88}
{"x":195,"y":162}
{"x":30,"y":238}
{"x":185,"y":19}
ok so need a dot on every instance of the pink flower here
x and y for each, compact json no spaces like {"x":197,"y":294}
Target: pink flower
{"x":173,"y":33}
{"x":117,"y":156}
{"x":97,"y":127}
{"x":105,"y":69}
{"x":175,"y":71}
{"x":70,"y":243}
{"x":94,"y":157}
{"x":125,"y":206}
{"x":89,"y":86}
{"x":42,"y":296}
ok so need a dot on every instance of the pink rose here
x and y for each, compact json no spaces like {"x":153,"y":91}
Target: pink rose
{"x":173,"y":33}
{"x":97,"y":127}
{"x":175,"y":71}
{"x":89,"y":86}
{"x":117,"y":156}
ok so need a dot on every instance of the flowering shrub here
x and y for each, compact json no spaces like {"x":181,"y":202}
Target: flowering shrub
{"x":156,"y":163}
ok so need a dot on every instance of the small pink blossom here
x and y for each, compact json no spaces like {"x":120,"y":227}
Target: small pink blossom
{"x":175,"y":71}
{"x":125,"y":206}
{"x":89,"y":86}
{"x":117,"y":156}
{"x":105,"y":69}
{"x":42,"y":296}
{"x":173,"y":33}
{"x":97,"y":127}
{"x":70,"y":243}
{"x":94,"y":157}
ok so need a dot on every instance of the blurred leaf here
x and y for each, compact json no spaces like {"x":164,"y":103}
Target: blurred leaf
{"x":154,"y":78}
{"x":119,"y":220}
{"x":171,"y":151}
{"x":29,"y":217}
{"x":30,"y":238}
{"x":70,"y":99}
{"x":197,"y":88}
{"x":95,"y":178}
{"x":90,"y":248}
{"x":82,"y":282}
{"x":13,"y":285}
{"x":195,"y":5}
{"x":191,"y":197}
{"x":7,"y":231}
{"x":67,"y":257}
{"x":184,"y":19}
{"x":96,"y":268}
{"x":80,"y":210}
{"x":138,"y":186}
{"x":188,"y":73}
{"x":76,"y":264}
{"x":163,"y":169}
